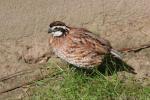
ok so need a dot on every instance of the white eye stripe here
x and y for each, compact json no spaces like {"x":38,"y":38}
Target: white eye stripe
{"x":64,"y":27}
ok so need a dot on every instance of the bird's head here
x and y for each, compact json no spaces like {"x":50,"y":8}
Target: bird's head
{"x":58,"y":28}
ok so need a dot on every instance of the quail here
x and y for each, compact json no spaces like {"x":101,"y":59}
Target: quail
{"x":78,"y":46}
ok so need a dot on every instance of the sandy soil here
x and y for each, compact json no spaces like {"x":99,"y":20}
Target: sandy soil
{"x":24,"y":24}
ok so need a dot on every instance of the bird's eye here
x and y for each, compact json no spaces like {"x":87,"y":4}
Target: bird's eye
{"x":55,"y":28}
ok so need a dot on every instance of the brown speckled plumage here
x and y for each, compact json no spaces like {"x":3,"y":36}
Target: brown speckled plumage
{"x":80,"y":47}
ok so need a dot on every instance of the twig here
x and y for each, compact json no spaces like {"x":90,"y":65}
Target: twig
{"x":135,"y":49}
{"x":22,"y":78}
{"x":18,"y":73}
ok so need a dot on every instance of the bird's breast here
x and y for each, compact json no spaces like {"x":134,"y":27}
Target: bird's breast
{"x":75,"y":51}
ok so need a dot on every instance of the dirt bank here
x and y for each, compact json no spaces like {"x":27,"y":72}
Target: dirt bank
{"x":24,"y":24}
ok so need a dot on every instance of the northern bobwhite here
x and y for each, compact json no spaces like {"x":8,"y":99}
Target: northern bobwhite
{"x":78,"y":46}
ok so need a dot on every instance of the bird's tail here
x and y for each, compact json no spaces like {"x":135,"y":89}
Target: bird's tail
{"x":116,"y":53}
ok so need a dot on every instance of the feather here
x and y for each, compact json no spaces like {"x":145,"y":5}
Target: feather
{"x":116,"y":53}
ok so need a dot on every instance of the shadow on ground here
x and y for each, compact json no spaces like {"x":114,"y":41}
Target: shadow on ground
{"x":109,"y":66}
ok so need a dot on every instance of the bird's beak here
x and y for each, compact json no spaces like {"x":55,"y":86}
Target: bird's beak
{"x":50,"y":30}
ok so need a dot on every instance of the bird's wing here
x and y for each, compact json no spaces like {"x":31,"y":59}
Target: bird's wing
{"x":102,"y":40}
{"x":90,"y":41}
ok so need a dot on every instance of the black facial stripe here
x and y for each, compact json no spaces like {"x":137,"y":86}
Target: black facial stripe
{"x":60,"y":29}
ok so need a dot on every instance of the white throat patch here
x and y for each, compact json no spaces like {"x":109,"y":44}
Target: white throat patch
{"x":57,"y":33}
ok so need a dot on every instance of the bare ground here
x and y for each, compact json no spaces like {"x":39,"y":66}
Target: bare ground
{"x":24,"y":24}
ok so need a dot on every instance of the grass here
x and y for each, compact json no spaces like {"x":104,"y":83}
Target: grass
{"x":71,"y":84}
